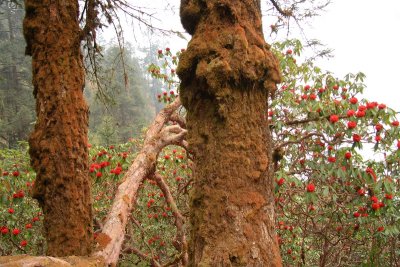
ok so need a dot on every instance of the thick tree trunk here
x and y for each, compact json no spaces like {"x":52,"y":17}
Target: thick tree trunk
{"x":58,"y":144}
{"x":227,"y":72}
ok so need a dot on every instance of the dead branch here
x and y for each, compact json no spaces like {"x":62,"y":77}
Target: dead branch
{"x":178,"y":119}
{"x":26,"y":260}
{"x":157,"y":137}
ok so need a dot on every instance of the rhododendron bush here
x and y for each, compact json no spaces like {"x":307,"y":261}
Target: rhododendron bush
{"x":336,"y":177}
{"x":339,"y":202}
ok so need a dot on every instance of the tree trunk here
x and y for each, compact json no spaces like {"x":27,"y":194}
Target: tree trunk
{"x":58,"y":144}
{"x":227,"y":73}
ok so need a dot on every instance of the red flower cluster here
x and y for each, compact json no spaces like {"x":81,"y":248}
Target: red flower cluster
{"x":310,"y":187}
{"x":351,"y":124}
{"x":117,"y":170}
{"x":356,"y":138}
{"x":281,"y":181}
{"x":334,"y":118}
{"x":19,"y":194}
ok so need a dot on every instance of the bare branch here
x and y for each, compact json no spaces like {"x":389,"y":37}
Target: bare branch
{"x":157,"y":137}
{"x":180,"y":239}
{"x":285,"y":13}
{"x":178,"y":119}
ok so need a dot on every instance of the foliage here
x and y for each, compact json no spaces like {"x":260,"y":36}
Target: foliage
{"x":337,"y":201}
{"x":20,"y":216}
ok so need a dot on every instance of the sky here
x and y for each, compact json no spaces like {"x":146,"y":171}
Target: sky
{"x":364,"y":36}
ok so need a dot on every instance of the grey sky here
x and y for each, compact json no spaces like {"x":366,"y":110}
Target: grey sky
{"x":365,"y":37}
{"x":364,"y":34}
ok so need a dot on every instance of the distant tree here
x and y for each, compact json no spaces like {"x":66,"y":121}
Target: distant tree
{"x":130,"y":106}
{"x":16,"y":99}
{"x":150,"y":57}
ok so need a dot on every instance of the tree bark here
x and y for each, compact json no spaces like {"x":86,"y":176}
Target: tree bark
{"x":58,"y":144}
{"x":227,"y":73}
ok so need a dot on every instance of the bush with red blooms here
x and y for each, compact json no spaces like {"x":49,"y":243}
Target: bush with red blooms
{"x":20,"y":217}
{"x":340,"y":201}
{"x":336,"y":186}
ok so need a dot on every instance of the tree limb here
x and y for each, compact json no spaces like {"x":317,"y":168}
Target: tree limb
{"x":157,"y":137}
{"x":180,"y":239}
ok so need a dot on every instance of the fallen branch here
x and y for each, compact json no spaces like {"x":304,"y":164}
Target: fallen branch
{"x":157,"y":137}
{"x":26,"y":260}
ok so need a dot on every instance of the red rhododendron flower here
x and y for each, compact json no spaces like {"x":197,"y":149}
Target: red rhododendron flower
{"x":332,"y":159}
{"x":4,"y":230}
{"x":310,"y":187}
{"x":16,"y":231}
{"x":356,"y":138}
{"x":353,"y":100}
{"x":334,"y":118}
{"x":351,"y":124}
{"x":388,"y":196}
{"x":361,"y":192}
{"x":371,"y":105}
{"x":362,"y":108}
{"x":360,"y":114}
{"x":350,"y":113}
{"x":374,"y":199}
{"x":375,"y":206}
{"x":381,"y":106}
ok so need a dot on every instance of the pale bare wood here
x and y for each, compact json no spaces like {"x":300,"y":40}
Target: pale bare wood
{"x":158,"y":136}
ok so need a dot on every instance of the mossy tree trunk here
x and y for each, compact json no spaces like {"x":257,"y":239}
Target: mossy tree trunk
{"x":58,"y":144}
{"x":227,"y":73}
